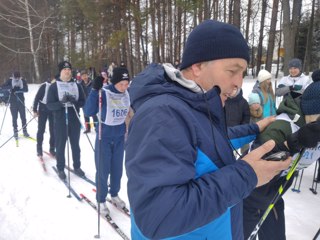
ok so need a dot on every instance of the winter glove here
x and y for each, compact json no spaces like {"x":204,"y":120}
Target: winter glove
{"x":72,"y":99}
{"x":295,"y":87}
{"x":68,"y":98}
{"x":14,"y":89}
{"x":98,"y":83}
{"x":307,"y":136}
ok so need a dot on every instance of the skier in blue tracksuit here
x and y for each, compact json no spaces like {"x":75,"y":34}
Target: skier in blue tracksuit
{"x":183,"y":180}
{"x":114,"y":109}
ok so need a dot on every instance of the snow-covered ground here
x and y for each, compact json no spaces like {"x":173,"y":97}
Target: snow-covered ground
{"x":34,"y":204}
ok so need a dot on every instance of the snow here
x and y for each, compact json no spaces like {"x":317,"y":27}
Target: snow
{"x":34,"y":204}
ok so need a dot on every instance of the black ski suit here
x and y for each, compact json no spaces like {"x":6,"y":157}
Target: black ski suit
{"x":59,"y":115}
{"x":40,"y":107}
{"x":17,"y":101}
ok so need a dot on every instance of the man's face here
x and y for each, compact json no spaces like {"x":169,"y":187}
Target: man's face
{"x":65,"y":74}
{"x":84,"y":77}
{"x":225,"y":73}
{"x":293,"y":71}
{"x":122,"y":86}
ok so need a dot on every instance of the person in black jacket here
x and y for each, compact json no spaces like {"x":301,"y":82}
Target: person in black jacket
{"x":18,"y":86}
{"x":237,"y":110}
{"x":41,"y":111}
{"x":66,"y":95}
{"x":86,"y":84}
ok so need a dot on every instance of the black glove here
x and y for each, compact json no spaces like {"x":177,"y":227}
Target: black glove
{"x":68,"y":98}
{"x":72,"y":99}
{"x":64,"y":99}
{"x":14,"y":89}
{"x":98,"y":83}
{"x":307,"y":136}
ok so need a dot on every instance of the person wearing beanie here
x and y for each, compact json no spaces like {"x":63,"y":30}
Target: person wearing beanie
{"x":115,"y":104}
{"x":297,"y":127}
{"x":65,"y":94}
{"x":264,"y":88}
{"x":255,"y":107}
{"x":295,"y":83}
{"x":41,"y":112}
{"x":178,"y":152}
{"x":17,"y":87}
{"x":86,"y":84}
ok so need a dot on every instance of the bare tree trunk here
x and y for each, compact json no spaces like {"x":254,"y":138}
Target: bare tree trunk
{"x":263,"y":14}
{"x":307,"y":56}
{"x":290,"y":29}
{"x":249,"y":12}
{"x":33,"y":51}
{"x":236,"y":13}
{"x":272,"y":34}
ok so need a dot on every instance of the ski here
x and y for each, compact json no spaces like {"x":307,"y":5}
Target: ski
{"x":30,"y":138}
{"x":124,"y":210}
{"x":106,"y":217}
{"x":42,"y":163}
{"x":83,"y":177}
{"x":17,"y":142}
{"x":68,"y":186}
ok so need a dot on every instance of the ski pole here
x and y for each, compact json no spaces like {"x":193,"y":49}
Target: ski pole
{"x":300,"y":180}
{"x":99,"y":159}
{"x":67,"y":135}
{"x":75,"y":110}
{"x":314,"y":186}
{"x":277,"y":195}
{"x":5,"y":112}
{"x":18,"y":131}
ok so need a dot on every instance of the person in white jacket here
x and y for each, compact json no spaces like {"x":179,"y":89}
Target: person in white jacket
{"x":295,"y":83}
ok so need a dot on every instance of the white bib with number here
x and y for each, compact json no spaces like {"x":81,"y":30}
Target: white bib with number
{"x":67,"y":88}
{"x":117,"y":107}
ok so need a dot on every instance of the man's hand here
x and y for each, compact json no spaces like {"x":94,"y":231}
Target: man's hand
{"x":35,"y":114}
{"x":262,"y":124}
{"x":265,"y":170}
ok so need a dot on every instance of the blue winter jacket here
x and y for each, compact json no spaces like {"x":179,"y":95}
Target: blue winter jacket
{"x":91,"y":108}
{"x":183,"y":180}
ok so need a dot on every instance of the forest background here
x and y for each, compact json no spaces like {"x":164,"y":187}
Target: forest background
{"x":36,"y":35}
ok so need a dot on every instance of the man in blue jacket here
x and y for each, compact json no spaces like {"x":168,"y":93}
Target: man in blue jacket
{"x":183,"y":180}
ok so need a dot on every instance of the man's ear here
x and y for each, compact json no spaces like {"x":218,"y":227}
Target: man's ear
{"x":196,"y":69}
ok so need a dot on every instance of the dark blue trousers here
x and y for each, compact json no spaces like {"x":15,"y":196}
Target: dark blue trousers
{"x":110,"y":165}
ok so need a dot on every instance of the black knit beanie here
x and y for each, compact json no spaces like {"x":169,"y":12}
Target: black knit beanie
{"x":119,"y":74}
{"x":212,"y":40}
{"x":64,"y":64}
{"x":310,"y":99}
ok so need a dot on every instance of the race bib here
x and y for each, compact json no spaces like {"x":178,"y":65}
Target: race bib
{"x":117,"y":107}
{"x":309,"y":156}
{"x":67,"y":88}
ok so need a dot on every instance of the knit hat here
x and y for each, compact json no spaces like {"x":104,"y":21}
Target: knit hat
{"x":16,"y":74}
{"x":296,"y":63}
{"x":64,"y":64}
{"x":212,"y":40}
{"x":316,"y":75}
{"x":310,"y":99}
{"x":253,"y":98}
{"x":119,"y":74}
{"x":264,"y":75}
